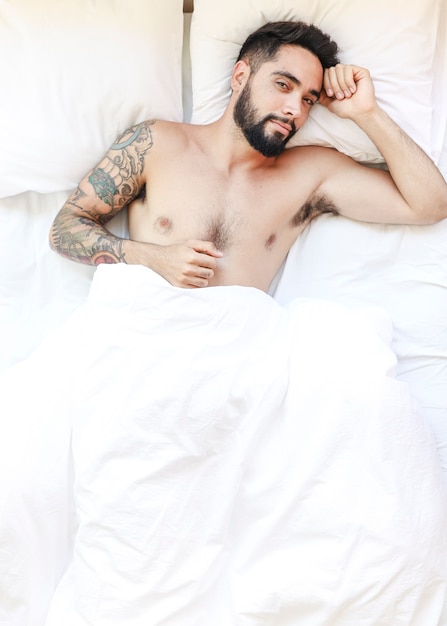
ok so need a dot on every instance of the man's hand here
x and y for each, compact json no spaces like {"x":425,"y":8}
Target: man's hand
{"x":398,"y":196}
{"x":348,"y":91}
{"x":189,"y":263}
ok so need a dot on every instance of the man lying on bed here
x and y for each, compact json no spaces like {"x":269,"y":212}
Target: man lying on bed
{"x":221,"y":204}
{"x":181,"y":455}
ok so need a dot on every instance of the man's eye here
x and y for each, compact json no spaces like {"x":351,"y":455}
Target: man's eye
{"x":282,"y":84}
{"x":309,"y":102}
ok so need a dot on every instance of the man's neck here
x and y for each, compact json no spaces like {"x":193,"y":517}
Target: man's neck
{"x":229,"y":148}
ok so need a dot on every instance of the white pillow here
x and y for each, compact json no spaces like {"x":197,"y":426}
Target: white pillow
{"x":394,"y":39}
{"x":74,"y":74}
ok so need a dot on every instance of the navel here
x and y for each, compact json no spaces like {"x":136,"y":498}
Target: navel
{"x":270,"y":241}
{"x":163,"y":225}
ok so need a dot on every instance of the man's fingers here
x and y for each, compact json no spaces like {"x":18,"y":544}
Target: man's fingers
{"x":206,"y":247}
{"x":207,"y":262}
{"x":193,"y":281}
{"x":345,"y":77}
{"x":339,"y":81}
{"x":194,"y":263}
{"x":199,"y":271}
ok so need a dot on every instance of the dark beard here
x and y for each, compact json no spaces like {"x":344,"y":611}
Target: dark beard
{"x":244,"y":115}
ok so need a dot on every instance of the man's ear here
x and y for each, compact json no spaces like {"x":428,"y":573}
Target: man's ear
{"x":241,"y":72}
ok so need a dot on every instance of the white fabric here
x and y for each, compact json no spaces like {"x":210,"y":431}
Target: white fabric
{"x":235,"y":463}
{"x":75,"y":74}
{"x":395,"y":39}
{"x":400,"y":268}
{"x":38,"y":288}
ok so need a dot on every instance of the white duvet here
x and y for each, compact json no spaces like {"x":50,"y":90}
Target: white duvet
{"x":208,"y":457}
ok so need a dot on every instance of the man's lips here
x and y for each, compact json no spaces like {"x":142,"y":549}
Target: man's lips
{"x":283,"y":128}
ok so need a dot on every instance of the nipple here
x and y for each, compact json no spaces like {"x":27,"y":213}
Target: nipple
{"x":270,"y":241}
{"x":163,"y":225}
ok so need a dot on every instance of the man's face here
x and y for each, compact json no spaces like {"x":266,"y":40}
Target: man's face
{"x":269,"y":144}
{"x":287,"y":95}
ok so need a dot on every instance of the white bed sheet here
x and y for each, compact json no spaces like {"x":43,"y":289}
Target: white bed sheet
{"x":234,"y":462}
{"x":401,"y":269}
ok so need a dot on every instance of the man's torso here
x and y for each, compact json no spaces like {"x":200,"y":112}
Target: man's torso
{"x":252,"y":215}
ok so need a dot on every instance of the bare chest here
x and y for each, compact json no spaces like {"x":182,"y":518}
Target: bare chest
{"x":263,"y":211}
{"x":204,"y":207}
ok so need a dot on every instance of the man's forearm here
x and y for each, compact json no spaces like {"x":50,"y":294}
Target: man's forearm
{"x":415,"y":175}
{"x":83,"y":240}
{"x":188,"y":263}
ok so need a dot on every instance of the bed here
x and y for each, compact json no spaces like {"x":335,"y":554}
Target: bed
{"x":300,"y":476}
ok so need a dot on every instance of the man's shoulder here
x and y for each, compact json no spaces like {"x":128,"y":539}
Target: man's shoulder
{"x":168,"y":126}
{"x":169,"y":131}
{"x":312,"y":159}
{"x":311,"y":152}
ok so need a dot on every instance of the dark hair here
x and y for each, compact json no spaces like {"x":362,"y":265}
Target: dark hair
{"x":263,"y":44}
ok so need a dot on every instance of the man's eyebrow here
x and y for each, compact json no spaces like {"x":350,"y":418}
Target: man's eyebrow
{"x":297,"y":82}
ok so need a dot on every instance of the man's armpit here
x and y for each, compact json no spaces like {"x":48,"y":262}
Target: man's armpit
{"x":315,"y":206}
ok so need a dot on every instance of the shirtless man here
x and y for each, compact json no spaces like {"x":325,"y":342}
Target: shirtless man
{"x":221,"y":204}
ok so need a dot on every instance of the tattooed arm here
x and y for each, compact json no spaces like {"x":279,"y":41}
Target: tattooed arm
{"x":79,"y":233}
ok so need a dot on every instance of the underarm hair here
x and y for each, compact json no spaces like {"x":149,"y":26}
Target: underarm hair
{"x":313,"y":208}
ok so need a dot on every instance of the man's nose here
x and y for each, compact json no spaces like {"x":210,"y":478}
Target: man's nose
{"x":292,"y":106}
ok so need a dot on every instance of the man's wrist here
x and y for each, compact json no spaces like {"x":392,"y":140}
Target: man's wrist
{"x":140,"y":253}
{"x":373,"y":119}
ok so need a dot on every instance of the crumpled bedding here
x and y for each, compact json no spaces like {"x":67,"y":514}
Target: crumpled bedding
{"x":191,"y":457}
